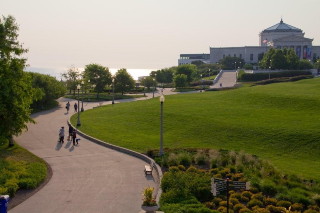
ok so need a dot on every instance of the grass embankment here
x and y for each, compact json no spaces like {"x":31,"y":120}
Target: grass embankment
{"x":277,"y":122}
{"x":19,"y":169}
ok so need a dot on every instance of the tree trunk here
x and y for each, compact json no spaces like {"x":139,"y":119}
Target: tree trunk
{"x":11,"y":142}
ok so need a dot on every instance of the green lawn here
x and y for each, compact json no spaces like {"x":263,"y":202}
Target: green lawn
{"x":277,"y":122}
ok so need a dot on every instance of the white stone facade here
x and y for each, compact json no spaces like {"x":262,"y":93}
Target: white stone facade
{"x":280,"y":36}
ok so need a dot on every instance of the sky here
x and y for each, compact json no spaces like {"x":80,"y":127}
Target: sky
{"x":145,"y":35}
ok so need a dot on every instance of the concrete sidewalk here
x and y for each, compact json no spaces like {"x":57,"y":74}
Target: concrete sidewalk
{"x":228,"y":79}
{"x":87,"y":177}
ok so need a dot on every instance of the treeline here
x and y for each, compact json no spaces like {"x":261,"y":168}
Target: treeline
{"x":285,"y":59}
{"x":47,"y":89}
{"x":183,"y":75}
{"x":97,"y":78}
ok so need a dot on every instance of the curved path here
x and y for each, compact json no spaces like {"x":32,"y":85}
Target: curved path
{"x":87,"y":177}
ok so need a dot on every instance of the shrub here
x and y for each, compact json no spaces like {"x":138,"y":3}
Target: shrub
{"x":185,"y":159}
{"x":268,"y":188}
{"x":316,"y":199}
{"x":244,"y":199}
{"x":274,"y":209}
{"x":192,"y":169}
{"x":260,"y":210}
{"x":27,"y":183}
{"x":284,"y":203}
{"x":173,"y":160}
{"x":234,"y":201}
{"x":174,"y":169}
{"x":258,"y":196}
{"x":201,"y":158}
{"x":12,"y":186}
{"x":222,"y":209}
{"x":216,"y":201}
{"x":236,"y":196}
{"x":247,"y":194}
{"x":297,"y":207}
{"x":181,"y":168}
{"x":237,"y":207}
{"x":254,"y":202}
{"x":245,"y":210}
{"x":270,"y":201}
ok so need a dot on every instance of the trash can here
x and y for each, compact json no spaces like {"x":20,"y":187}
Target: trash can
{"x":4,"y":199}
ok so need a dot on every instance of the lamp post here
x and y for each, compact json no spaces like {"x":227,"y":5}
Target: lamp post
{"x":201,"y":83}
{"x":154,"y":88}
{"x":269,"y":69}
{"x":235,"y":65}
{"x":82,"y":97}
{"x":78,"y":122}
{"x":161,"y":125}
{"x":112,"y":90}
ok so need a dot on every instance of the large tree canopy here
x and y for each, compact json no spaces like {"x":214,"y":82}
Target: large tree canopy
{"x":190,"y":70}
{"x":98,"y":75}
{"x":16,"y":92}
{"x":123,"y":81}
{"x":48,"y":88}
{"x":72,"y":78}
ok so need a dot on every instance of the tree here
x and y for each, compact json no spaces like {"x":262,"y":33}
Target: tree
{"x":16,"y":92}
{"x":164,"y":75}
{"x":278,"y":60}
{"x":180,"y":80}
{"x":305,"y":64}
{"x":317,"y":64}
{"x":123,"y":81}
{"x":189,"y":70}
{"x":148,"y":82}
{"x":98,"y":75}
{"x":49,"y":90}
{"x":72,"y":76}
{"x":231,"y":63}
{"x":292,"y":59}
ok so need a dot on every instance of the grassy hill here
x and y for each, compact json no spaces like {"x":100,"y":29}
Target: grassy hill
{"x":277,"y":122}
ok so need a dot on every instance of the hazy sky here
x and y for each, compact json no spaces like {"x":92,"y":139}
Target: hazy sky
{"x":146,"y":34}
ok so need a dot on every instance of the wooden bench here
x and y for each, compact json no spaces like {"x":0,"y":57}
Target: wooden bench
{"x":148,"y":169}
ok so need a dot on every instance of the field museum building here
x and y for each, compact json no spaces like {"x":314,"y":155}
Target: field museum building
{"x":280,"y":35}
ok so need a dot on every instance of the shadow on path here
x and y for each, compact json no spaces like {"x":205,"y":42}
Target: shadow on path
{"x":58,"y":146}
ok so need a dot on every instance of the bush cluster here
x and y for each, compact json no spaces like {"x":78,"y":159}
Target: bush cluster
{"x":19,"y":169}
{"x":248,"y":77}
{"x":271,"y":191}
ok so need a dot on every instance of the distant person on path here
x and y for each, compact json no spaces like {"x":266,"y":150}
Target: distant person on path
{"x":61,"y":135}
{"x":75,"y":107}
{"x":68,"y":107}
{"x":70,"y":132}
{"x":220,"y":84}
{"x":74,"y":136}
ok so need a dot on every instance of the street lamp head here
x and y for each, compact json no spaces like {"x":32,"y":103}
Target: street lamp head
{"x":161,"y":98}
{"x":78,"y":86}
{"x":82,"y":82}
{"x":89,"y":81}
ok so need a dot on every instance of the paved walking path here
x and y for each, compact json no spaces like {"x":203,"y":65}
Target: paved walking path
{"x":228,"y":79}
{"x":87,"y":177}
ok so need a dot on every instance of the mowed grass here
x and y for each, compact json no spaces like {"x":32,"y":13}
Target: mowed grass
{"x":277,"y":122}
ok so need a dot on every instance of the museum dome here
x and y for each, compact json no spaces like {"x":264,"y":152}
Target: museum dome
{"x":282,"y":27}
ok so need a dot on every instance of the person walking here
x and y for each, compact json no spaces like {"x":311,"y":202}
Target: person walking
{"x":74,"y":136}
{"x":68,"y":107}
{"x":75,"y":107}
{"x":61,"y":135}
{"x":70,"y":132}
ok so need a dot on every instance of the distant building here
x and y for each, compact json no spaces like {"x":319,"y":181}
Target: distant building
{"x":189,"y":58}
{"x":280,"y":36}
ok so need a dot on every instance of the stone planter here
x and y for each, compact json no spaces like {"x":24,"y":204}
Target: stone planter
{"x":150,"y":209}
